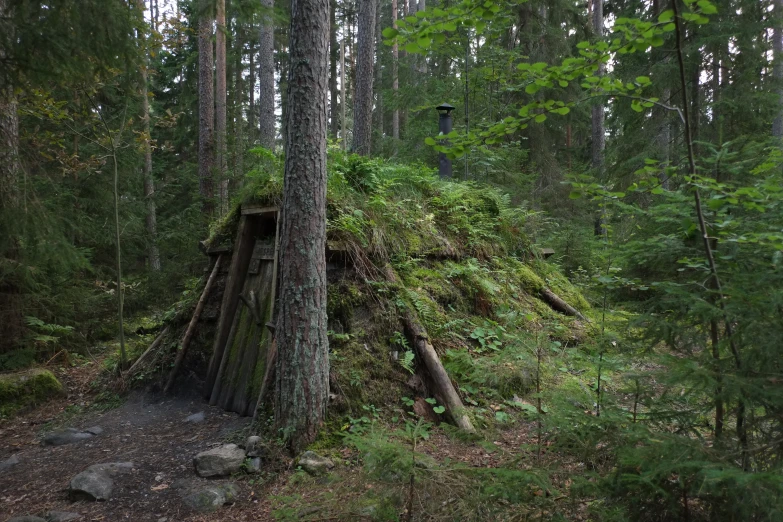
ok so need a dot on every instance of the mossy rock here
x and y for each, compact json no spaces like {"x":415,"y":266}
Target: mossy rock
{"x":23,"y":390}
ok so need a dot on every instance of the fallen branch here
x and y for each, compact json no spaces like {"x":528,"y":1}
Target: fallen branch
{"x":557,"y":303}
{"x":192,"y":325}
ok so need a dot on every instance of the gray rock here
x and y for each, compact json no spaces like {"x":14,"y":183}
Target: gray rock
{"x":62,"y":516}
{"x":66,"y":436}
{"x":8,"y":463}
{"x":26,"y":518}
{"x":209,"y":498}
{"x":95,"y":430}
{"x":217,"y":462}
{"x":96,"y":483}
{"x":253,"y":465}
{"x":254,"y":447}
{"x":196,"y":418}
{"x":314,"y":464}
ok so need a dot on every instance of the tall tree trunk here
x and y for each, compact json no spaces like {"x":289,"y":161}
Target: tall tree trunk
{"x":334,"y":50}
{"x":343,"y":103}
{"x":378,"y":83}
{"x":598,"y":131}
{"x":362,"y":103}
{"x":206,"y":103}
{"x":266,"y":76}
{"x":153,"y":256}
{"x":777,"y":68}
{"x":221,"y":106}
{"x":395,"y":78}
{"x":302,"y":381}
{"x":239,"y":98}
{"x":251,"y":95}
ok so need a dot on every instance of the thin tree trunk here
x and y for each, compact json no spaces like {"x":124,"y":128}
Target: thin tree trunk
{"x":343,"y":103}
{"x":378,"y":83}
{"x":206,"y":100}
{"x":221,"y":106}
{"x":302,"y":377}
{"x":395,"y":78}
{"x":598,"y":131}
{"x":334,"y":50}
{"x":251,"y":95}
{"x":777,"y":68}
{"x":239,"y":98}
{"x":153,"y":256}
{"x":266,"y":76}
{"x":362,"y":103}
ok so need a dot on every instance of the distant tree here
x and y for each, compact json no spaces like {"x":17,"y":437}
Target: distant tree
{"x":206,"y":103}
{"x":302,"y":377}
{"x":362,"y":112}
{"x":266,"y":76}
{"x":221,"y":157}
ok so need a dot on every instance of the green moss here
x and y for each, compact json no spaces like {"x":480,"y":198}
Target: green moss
{"x":22,"y":390}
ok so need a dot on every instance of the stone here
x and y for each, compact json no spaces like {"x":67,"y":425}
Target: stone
{"x":26,"y":518}
{"x":253,"y":465}
{"x":254,"y":447}
{"x":314,"y":464}
{"x":9,"y":463}
{"x":209,"y":498}
{"x":62,"y":516}
{"x":66,"y":436}
{"x":221,"y":461}
{"x":196,"y":418}
{"x":25,"y":389}
{"x":95,"y":430}
{"x":96,"y":482}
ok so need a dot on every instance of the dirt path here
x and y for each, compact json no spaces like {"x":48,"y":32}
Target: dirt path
{"x":153,"y":434}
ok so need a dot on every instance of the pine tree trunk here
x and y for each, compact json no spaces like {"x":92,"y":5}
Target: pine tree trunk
{"x":302,"y":380}
{"x":362,"y":112}
{"x":777,"y":68}
{"x":153,"y":256}
{"x":334,"y":51}
{"x":598,"y":131}
{"x":206,"y":101}
{"x":343,"y":103}
{"x":395,"y":78}
{"x":10,"y":166}
{"x":221,"y":106}
{"x":239,"y":98}
{"x":266,"y":76}
{"x":378,"y":82}
{"x":251,"y":95}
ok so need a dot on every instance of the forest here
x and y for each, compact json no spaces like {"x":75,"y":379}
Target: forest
{"x":391,"y":260}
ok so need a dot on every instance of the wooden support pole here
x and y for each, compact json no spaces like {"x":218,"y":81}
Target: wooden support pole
{"x":192,"y":325}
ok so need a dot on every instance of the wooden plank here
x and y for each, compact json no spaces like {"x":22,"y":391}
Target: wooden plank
{"x":249,"y":210}
{"x":243,"y":248}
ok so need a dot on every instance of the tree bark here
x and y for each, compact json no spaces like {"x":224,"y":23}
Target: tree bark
{"x":153,"y":256}
{"x":10,"y":166}
{"x":302,"y":376}
{"x":206,"y":100}
{"x":266,"y":76}
{"x":221,"y":105}
{"x":777,"y":68}
{"x":378,"y":84}
{"x":334,"y":51}
{"x":362,"y":112}
{"x":395,"y":77}
{"x":598,"y":131}
{"x":343,"y":103}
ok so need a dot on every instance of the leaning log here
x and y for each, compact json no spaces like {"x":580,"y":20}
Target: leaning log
{"x":149,"y":350}
{"x":445,"y":389}
{"x":192,"y":326}
{"x":557,"y":303}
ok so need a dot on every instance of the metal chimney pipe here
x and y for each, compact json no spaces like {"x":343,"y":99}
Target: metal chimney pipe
{"x":444,"y":126}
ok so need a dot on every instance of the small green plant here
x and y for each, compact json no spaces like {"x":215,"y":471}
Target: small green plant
{"x":489,"y":336}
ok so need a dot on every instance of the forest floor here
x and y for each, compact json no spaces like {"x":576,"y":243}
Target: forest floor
{"x":154,"y":434}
